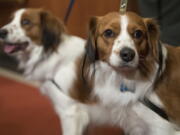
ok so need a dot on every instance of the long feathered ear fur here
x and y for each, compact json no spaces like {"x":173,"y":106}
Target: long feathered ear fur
{"x":91,"y":46}
{"x":153,"y":35}
{"x":52,"y":29}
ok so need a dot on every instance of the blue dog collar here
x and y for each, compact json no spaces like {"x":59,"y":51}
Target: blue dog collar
{"x":124,"y":88}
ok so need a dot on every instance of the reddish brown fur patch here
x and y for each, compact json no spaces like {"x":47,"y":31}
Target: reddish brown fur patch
{"x":168,"y":86}
{"x":137,"y":23}
{"x":83,"y":84}
{"x":104,"y":44}
{"x":34,"y":30}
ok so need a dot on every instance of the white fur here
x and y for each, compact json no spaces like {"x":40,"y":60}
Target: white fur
{"x":108,"y":86}
{"x":115,"y":107}
{"x":16,"y":33}
{"x":177,"y":133}
{"x":156,"y":124}
{"x":47,"y":66}
{"x":154,"y":98}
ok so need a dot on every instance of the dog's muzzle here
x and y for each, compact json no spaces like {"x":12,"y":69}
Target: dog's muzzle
{"x":127,"y":54}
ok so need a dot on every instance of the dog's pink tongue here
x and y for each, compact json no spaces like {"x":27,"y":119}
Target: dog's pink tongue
{"x":9,"y":48}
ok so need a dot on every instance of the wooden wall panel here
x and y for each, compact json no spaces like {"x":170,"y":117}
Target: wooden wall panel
{"x":5,"y":12}
{"x":84,"y":9}
{"x":58,"y":7}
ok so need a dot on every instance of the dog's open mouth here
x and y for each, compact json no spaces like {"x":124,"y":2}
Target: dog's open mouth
{"x":10,"y":48}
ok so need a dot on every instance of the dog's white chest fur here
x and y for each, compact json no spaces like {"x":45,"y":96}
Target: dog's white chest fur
{"x":108,"y":87}
{"x":41,"y":66}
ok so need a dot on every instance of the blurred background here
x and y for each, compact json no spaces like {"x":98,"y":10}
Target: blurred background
{"x":23,"y":110}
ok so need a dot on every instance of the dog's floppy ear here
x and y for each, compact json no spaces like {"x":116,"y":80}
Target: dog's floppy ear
{"x":153,"y":34}
{"x":52,"y":29}
{"x":91,"y":46}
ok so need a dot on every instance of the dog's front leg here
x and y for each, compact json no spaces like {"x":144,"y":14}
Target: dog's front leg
{"x":74,"y":120}
{"x":74,"y":117}
{"x":132,"y":124}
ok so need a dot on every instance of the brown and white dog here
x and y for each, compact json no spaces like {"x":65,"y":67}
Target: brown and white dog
{"x":40,"y":42}
{"x":120,"y":65}
{"x":100,"y":83}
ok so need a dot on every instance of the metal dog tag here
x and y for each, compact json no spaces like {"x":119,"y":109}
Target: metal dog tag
{"x":123,"y":6}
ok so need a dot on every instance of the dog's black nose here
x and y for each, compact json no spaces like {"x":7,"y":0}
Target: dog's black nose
{"x":3,"y":33}
{"x":127,"y":54}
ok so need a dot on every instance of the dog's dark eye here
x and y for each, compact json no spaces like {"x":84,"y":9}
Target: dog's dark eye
{"x":25,"y":22}
{"x":138,"y":34}
{"x":108,"y":33}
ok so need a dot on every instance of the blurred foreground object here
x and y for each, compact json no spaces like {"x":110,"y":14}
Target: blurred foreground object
{"x":13,"y":1}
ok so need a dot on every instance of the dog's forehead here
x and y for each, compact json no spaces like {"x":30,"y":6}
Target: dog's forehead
{"x":31,"y":11}
{"x":109,"y":19}
{"x":32,"y":14}
{"x":134,"y":18}
{"x":17,"y":15}
{"x":28,"y":13}
{"x":115,"y":18}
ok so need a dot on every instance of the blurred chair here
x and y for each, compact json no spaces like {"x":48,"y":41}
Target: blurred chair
{"x":24,"y":111}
